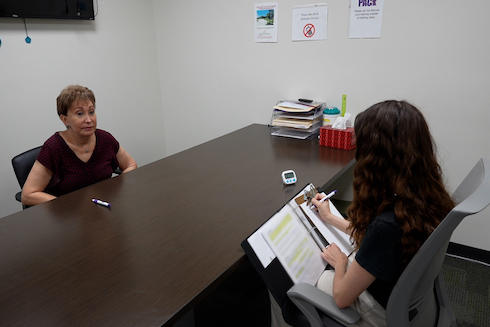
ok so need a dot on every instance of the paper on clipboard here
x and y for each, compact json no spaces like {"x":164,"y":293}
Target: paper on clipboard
{"x":332,"y":234}
{"x":294,"y":247}
{"x":261,"y":248}
{"x":264,"y":251}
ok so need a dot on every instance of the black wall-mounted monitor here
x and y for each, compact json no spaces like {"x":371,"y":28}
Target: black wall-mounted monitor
{"x":55,"y":9}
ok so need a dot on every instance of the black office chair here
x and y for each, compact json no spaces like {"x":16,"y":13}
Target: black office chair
{"x":419,"y":297}
{"x":22,"y":164}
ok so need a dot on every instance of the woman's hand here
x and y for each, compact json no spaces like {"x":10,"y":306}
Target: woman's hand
{"x":323,"y":208}
{"x":334,"y":256}
{"x":327,"y":216}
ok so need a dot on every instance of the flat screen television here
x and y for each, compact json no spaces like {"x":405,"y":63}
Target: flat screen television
{"x":55,"y":9}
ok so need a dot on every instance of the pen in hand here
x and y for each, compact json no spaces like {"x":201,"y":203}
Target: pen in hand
{"x":328,"y":196}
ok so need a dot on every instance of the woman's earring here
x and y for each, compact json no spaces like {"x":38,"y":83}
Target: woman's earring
{"x":67,"y":126}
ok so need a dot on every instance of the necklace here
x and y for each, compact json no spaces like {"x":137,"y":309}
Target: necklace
{"x":88,"y":147}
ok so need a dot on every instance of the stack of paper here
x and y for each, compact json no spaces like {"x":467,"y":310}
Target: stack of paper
{"x":297,"y":119}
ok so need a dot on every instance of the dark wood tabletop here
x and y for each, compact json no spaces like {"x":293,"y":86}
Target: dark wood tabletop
{"x":172,"y":234}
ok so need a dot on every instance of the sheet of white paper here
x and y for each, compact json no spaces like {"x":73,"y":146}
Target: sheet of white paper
{"x":265,"y":21}
{"x":331,"y":234}
{"x":295,"y":105}
{"x":261,"y":248}
{"x":297,"y":252}
{"x":310,"y":22}
{"x":366,"y":18}
{"x":265,"y":252}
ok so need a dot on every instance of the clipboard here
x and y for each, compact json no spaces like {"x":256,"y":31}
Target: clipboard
{"x":270,"y":268}
{"x":278,"y":282}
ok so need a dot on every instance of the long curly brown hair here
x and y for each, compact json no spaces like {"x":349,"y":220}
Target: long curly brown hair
{"x":396,"y":167}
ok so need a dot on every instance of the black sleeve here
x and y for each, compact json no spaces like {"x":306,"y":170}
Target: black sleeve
{"x":380,"y":251}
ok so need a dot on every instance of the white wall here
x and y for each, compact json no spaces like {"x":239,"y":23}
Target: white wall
{"x":115,"y":56}
{"x":432,"y":53}
{"x":170,"y":74}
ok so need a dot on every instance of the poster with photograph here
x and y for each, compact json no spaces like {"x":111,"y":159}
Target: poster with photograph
{"x":265,"y":17}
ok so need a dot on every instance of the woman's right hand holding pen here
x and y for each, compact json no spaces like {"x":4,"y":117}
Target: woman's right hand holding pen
{"x":326,"y":215}
{"x":323,"y":208}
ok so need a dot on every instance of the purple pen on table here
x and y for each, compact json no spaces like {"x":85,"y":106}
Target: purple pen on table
{"x":102,"y":203}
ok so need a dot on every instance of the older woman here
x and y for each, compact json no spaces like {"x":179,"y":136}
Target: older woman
{"x":77,"y":157}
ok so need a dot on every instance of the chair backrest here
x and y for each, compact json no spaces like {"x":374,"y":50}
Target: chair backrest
{"x":22,"y":164}
{"x":414,"y":296}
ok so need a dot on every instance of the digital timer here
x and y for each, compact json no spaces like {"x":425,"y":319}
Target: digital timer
{"x":289,"y":177}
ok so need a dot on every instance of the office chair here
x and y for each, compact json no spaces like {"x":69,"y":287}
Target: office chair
{"x":22,"y":164}
{"x":419,"y":297}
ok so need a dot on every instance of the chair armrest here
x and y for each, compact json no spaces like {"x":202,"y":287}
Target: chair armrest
{"x":116,"y":172}
{"x":18,"y":196}
{"x":308,"y":297}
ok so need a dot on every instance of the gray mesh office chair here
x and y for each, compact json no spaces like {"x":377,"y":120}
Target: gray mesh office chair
{"x":419,"y":297}
{"x":22,"y":164}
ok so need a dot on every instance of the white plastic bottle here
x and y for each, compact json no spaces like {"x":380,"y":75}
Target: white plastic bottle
{"x":330,"y":115}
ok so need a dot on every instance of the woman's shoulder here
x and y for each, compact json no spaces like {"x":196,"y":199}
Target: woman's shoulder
{"x":51,"y":151}
{"x":385,"y":221}
{"x":387,"y":216}
{"x":104,"y":134}
{"x":105,"y":139}
{"x":54,"y":140}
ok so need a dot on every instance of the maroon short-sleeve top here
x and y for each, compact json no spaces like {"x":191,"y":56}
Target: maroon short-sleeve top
{"x":69,"y":172}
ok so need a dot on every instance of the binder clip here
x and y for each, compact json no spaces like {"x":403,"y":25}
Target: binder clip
{"x":310,"y":194}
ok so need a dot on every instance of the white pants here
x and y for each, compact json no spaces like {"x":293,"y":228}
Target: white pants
{"x":371,"y":312}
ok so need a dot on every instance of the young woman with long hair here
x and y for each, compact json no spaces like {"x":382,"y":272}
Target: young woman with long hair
{"x":399,"y":199}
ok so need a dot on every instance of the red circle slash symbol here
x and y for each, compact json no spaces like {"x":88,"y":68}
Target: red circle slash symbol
{"x":309,"y":30}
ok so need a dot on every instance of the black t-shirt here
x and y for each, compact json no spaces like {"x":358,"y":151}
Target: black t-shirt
{"x":380,"y":254}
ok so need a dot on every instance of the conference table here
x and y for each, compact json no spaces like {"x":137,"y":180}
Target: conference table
{"x":171,"y":235}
